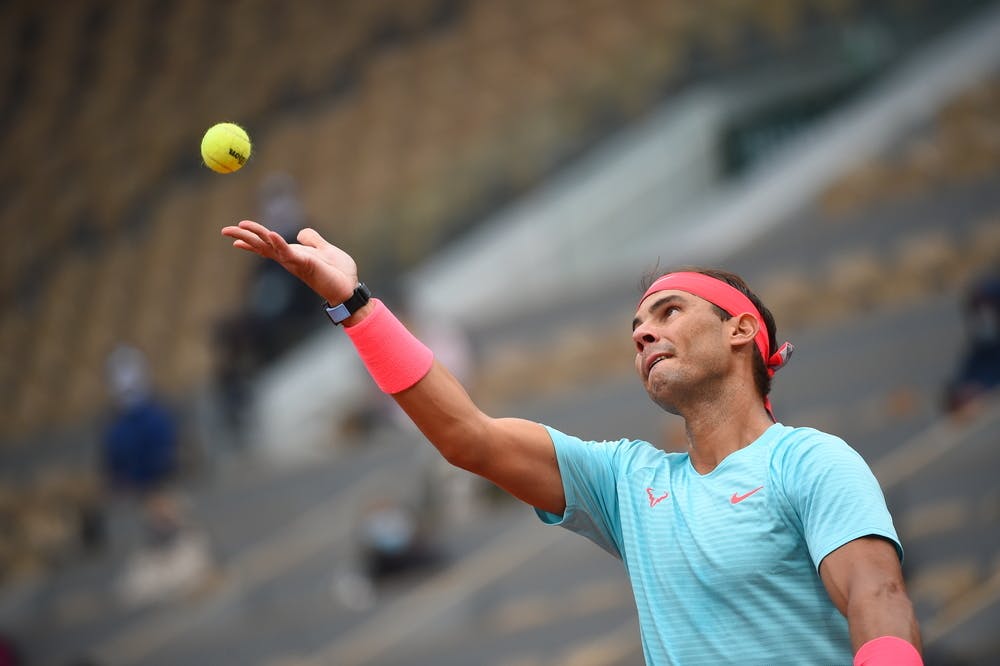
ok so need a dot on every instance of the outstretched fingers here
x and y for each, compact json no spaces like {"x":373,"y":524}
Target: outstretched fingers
{"x":325,"y":268}
{"x":249,"y":235}
{"x":244,"y":240}
{"x":270,"y":239}
{"x":255,"y":227}
{"x":243,"y":245}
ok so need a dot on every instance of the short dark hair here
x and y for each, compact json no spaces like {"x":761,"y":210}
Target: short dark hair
{"x":761,"y":376}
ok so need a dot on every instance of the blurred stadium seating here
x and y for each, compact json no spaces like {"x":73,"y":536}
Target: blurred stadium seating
{"x":414,"y":121}
{"x":406,"y":124}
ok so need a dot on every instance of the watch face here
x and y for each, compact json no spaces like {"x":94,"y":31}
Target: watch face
{"x":338,"y":313}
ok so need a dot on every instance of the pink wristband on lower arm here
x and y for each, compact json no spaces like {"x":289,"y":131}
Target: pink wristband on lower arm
{"x":395,"y":359}
{"x":888,"y":651}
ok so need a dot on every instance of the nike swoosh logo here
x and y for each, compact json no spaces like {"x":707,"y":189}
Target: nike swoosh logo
{"x":736,"y":499}
{"x":653,"y":500}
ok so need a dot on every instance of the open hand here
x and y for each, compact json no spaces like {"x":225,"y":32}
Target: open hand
{"x":325,"y":268}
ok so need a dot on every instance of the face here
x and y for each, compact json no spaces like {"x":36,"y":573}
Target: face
{"x":682,"y":349}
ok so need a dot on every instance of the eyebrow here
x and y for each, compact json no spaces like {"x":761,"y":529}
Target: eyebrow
{"x":670,"y":298}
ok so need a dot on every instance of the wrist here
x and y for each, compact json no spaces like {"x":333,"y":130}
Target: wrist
{"x":395,"y":358}
{"x":888,"y":651}
{"x":360,"y":315}
{"x":340,"y":313}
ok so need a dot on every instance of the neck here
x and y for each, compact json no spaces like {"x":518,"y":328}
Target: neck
{"x":714,"y":433}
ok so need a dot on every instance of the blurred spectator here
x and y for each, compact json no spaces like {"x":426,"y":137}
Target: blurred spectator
{"x":979,"y":368}
{"x":140,"y":445}
{"x":282,"y":306}
{"x":277,"y":312}
{"x":393,"y":540}
{"x":140,"y":461}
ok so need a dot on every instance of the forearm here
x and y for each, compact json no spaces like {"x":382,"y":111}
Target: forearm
{"x":405,"y":368}
{"x":443,"y":411}
{"x":515,"y":454}
{"x":886,"y":611}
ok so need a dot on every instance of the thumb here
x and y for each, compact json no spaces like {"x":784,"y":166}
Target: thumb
{"x":311,"y":237}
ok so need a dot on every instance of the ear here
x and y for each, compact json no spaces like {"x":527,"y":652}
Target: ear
{"x":744,"y":329}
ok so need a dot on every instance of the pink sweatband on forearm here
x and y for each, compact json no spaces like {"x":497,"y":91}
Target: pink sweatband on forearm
{"x":888,"y":651}
{"x":395,"y":359}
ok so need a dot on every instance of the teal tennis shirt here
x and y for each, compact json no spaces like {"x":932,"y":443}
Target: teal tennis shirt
{"x":724,"y":566}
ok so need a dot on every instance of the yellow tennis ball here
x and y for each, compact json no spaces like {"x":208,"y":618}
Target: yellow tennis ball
{"x":225,"y":147}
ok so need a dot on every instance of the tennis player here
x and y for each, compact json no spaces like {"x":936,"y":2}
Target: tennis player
{"x":762,"y":544}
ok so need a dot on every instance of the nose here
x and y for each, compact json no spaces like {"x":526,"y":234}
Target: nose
{"x":642,"y":336}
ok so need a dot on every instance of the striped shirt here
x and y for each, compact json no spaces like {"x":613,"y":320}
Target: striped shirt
{"x":724,"y":566}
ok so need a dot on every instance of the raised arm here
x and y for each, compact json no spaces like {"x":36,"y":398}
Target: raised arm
{"x":865,"y":582}
{"x":515,"y":454}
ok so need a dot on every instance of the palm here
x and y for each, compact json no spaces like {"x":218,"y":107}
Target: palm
{"x":328,"y":270}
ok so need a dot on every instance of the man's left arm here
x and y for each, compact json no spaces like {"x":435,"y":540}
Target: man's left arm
{"x":865,"y":582}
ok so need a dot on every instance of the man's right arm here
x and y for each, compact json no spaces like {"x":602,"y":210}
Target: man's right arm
{"x":515,"y":454}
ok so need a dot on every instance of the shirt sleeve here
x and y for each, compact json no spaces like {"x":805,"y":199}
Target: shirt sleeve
{"x":589,"y":479}
{"x":834,"y":494}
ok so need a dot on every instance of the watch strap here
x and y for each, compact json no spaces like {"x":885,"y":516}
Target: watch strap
{"x":338,"y":313}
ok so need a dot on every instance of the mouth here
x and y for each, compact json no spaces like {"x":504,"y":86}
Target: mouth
{"x":654,"y":359}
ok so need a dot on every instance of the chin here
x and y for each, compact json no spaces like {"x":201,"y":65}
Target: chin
{"x":660,"y":396}
{"x":669,"y":408}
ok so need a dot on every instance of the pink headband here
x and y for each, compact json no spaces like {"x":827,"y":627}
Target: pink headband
{"x":734,"y":302}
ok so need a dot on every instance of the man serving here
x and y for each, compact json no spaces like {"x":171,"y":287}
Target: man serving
{"x":762,"y":544}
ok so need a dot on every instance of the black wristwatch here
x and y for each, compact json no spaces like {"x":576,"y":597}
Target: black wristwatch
{"x":338,"y":313}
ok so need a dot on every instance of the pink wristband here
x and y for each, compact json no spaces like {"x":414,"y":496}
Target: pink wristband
{"x":888,"y":651}
{"x":395,"y":359}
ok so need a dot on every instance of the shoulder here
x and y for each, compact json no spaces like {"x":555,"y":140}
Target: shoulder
{"x":622,"y":453}
{"x":803,"y":435}
{"x":809,"y":461}
{"x":797,"y":442}
{"x":803,"y":456}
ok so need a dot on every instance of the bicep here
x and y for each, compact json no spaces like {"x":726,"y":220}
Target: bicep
{"x":869,"y":565}
{"x":865,"y":581}
{"x":521,"y":458}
